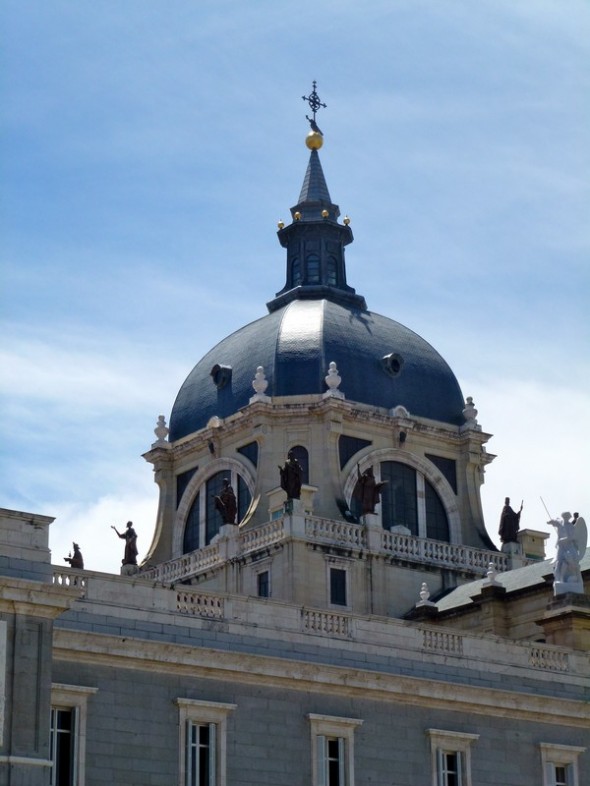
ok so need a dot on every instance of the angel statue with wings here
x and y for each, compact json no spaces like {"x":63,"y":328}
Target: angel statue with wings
{"x":572,"y":537}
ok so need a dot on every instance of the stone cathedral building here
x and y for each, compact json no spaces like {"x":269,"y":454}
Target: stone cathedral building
{"x":302,"y":639}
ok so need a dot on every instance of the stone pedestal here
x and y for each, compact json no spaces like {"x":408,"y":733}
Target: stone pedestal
{"x":129,"y":570}
{"x":374,"y":531}
{"x":227,"y":538}
{"x":566,"y":622}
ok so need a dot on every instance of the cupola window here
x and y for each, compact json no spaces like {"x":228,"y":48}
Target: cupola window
{"x":398,"y":498}
{"x":296,"y":272}
{"x":302,"y":456}
{"x":408,"y":500}
{"x":312,"y":264}
{"x":205,"y":516}
{"x":331,"y":275}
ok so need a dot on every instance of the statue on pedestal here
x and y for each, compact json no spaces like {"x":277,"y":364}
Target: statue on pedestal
{"x":572,"y":537}
{"x":509,"y":523}
{"x":130,"y":538}
{"x":369,"y":489}
{"x":291,"y":476}
{"x":226,"y":503}
{"x":76,"y":560}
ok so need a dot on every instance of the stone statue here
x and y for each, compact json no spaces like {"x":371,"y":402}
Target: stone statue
{"x":130,"y":538}
{"x":509,"y":523}
{"x":572,"y":537}
{"x":226,"y":503}
{"x":77,"y":560}
{"x":369,"y":489}
{"x":291,"y":477}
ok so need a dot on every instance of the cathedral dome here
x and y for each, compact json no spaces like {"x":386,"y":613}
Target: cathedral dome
{"x":381,"y":362}
{"x":317,"y":319}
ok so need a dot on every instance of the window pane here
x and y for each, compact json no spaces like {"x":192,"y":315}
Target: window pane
{"x":191,"y":540}
{"x":561,"y":775}
{"x":263,"y":584}
{"x":437,"y":524}
{"x":338,"y":587}
{"x":62,"y":747}
{"x":244,"y":498}
{"x":213,"y":520}
{"x":200,"y":754}
{"x":302,"y":457}
{"x":333,"y":749}
{"x":313,"y":269}
{"x":398,"y":497}
{"x":331,"y":272}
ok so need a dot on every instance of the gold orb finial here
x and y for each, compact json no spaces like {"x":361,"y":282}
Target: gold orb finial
{"x":297,"y":216}
{"x":325,"y":214}
{"x":280,"y":224}
{"x":346,"y":221}
{"x":314,"y":140}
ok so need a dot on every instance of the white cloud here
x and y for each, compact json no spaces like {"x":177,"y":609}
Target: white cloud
{"x":89,"y":525}
{"x":539,"y":433}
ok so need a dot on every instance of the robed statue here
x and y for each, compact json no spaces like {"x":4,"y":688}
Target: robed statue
{"x":509,"y":523}
{"x":369,"y":489}
{"x":226,"y":503}
{"x":76,"y":559}
{"x":291,"y":476}
{"x":130,"y":538}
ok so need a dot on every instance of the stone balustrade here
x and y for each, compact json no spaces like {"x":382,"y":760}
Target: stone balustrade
{"x":326,"y":622}
{"x":69,"y":578}
{"x":185,"y":566}
{"x":270,"y":533}
{"x":442,"y":641}
{"x":200,"y":604}
{"x":154,"y":599}
{"x":436,"y":552}
{"x":336,"y":533}
{"x":548,"y":658}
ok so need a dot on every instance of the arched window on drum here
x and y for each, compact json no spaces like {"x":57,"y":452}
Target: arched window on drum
{"x":204,"y":517}
{"x":302,"y":457}
{"x":408,"y":500}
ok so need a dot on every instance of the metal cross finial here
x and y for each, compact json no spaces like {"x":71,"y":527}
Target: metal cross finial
{"x":314,"y":104}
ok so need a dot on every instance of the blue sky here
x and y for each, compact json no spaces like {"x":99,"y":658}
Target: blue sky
{"x":148,"y":150}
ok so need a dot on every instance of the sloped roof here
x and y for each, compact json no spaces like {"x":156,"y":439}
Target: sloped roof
{"x":512,"y":581}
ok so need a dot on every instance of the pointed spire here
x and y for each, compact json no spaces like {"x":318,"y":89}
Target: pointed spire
{"x":314,"y":188}
{"x":315,"y":240}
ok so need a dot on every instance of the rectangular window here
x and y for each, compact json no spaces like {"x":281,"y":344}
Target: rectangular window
{"x":451,"y":757}
{"x":560,"y":775}
{"x":560,"y":764}
{"x":203,"y":731}
{"x":450,"y":768}
{"x":201,"y":758}
{"x":333,"y":750}
{"x":62,"y":746}
{"x":263,"y":584}
{"x":338,"y":587}
{"x":67,"y":734}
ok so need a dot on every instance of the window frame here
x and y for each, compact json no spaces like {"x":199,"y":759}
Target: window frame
{"x":73,"y":698}
{"x":444,"y":742}
{"x":556,"y":755}
{"x":202,"y":713}
{"x":263,"y":569}
{"x":425,"y":470}
{"x":338,"y":563}
{"x":197,"y":484}
{"x":324,"y":727}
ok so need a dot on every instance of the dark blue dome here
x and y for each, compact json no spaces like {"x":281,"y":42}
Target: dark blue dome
{"x":381,"y":362}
